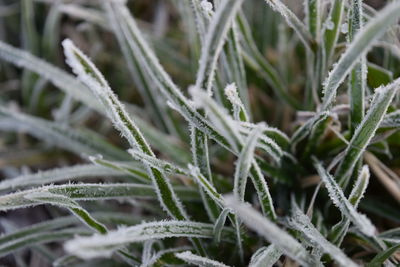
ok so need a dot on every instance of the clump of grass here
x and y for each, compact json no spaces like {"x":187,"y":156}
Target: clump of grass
{"x":211,"y":133}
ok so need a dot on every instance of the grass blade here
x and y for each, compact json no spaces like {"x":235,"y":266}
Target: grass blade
{"x":46,"y":197}
{"x":373,"y":30}
{"x":76,"y":141}
{"x":382,"y":98}
{"x":89,"y":74}
{"x":270,"y":231}
{"x":214,"y":41}
{"x":104,"y":245}
{"x":57,"y":175}
{"x":347,"y":209}
{"x":193,"y":259}
{"x":339,"y":230}
{"x":302,"y":223}
{"x":293,"y":21}
{"x":86,"y":192}
{"x":265,"y":257}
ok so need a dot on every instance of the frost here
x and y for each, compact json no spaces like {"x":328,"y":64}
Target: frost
{"x":191,"y":258}
{"x":302,"y":223}
{"x":270,"y":231}
{"x":344,"y":28}
{"x":104,"y":245}
{"x":206,"y":6}
{"x":338,"y":198}
{"x":329,"y":25}
{"x":265,"y":256}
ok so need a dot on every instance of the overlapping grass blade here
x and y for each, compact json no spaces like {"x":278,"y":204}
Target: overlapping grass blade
{"x":214,"y":41}
{"x":141,"y":78}
{"x":373,"y":30}
{"x":270,"y":231}
{"x":46,"y":197}
{"x":346,"y":208}
{"x":265,"y":257}
{"x":244,"y":162}
{"x":89,"y":74}
{"x":358,"y":76}
{"x":239,"y":110}
{"x":163,"y":81}
{"x":339,"y":230}
{"x":31,"y":235}
{"x":302,"y":223}
{"x":76,"y":141}
{"x":293,"y":21}
{"x":41,"y":238}
{"x":86,"y":192}
{"x":58,"y":175}
{"x":379,"y":260}
{"x":104,"y":245}
{"x":382,"y":98}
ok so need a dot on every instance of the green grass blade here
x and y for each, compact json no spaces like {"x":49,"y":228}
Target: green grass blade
{"x":76,"y":141}
{"x":358,"y":76}
{"x":105,"y":245}
{"x":366,"y":130}
{"x":332,"y":29}
{"x":87,"y":192}
{"x":379,"y":260}
{"x":57,"y":175}
{"x":193,"y":259}
{"x":293,"y":21}
{"x":265,"y":257}
{"x":270,"y":231}
{"x":346,"y":208}
{"x":339,"y":230}
{"x":373,"y":30}
{"x":214,"y":41}
{"x":89,"y":74}
{"x":302,"y":223}
{"x":46,"y":197}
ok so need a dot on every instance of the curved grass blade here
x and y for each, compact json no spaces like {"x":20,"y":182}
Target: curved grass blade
{"x":86,"y":192}
{"x":214,"y":40}
{"x":270,"y":231}
{"x":194,"y":259}
{"x":30,"y":235}
{"x":128,"y":168}
{"x":244,"y":162}
{"x":58,"y":77}
{"x":104,"y":245}
{"x":163,"y":81}
{"x":76,"y":141}
{"x":373,"y":30}
{"x":89,"y":74}
{"x":379,"y":260}
{"x":293,"y":21}
{"x":265,"y":257}
{"x":382,"y":98}
{"x":41,"y":238}
{"x":57,"y":175}
{"x":46,"y":197}
{"x":339,"y":230}
{"x":346,"y":208}
{"x":142,"y":80}
{"x":219,"y":224}
{"x":163,"y":256}
{"x":302,"y":223}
